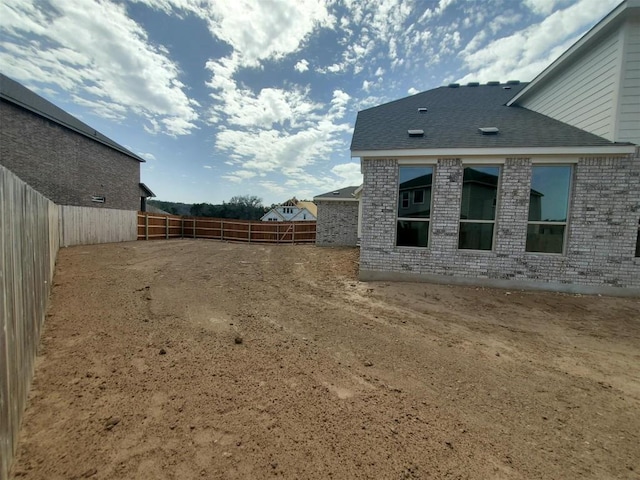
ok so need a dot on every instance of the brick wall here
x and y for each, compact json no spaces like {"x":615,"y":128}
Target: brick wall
{"x":66,"y":167}
{"x":601,"y":237}
{"x":337,"y":223}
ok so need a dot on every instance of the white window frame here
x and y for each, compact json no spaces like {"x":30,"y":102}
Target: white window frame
{"x":405,"y":198}
{"x":497,"y":205}
{"x":569,"y":205}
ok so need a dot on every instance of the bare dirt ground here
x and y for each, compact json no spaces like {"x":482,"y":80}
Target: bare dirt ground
{"x":198,"y":359}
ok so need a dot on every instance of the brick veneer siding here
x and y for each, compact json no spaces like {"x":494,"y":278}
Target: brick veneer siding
{"x":600,"y":244}
{"x":64,"y":166}
{"x":337,"y":223}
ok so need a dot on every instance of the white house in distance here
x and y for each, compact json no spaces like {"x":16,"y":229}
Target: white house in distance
{"x":292,"y":211}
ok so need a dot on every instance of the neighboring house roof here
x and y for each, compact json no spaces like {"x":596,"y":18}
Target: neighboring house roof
{"x":147,"y":192}
{"x":310,"y":206}
{"x":301,"y":214}
{"x":342,"y":194}
{"x":452,"y":120}
{"x":17,"y":94}
{"x":273,"y":210}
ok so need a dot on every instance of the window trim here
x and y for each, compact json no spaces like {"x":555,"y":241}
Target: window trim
{"x":415,"y":219}
{"x":637,"y":252}
{"x":566,"y":223}
{"x":500,"y":167}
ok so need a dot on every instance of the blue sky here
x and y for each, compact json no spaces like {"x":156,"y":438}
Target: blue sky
{"x":259,"y":97}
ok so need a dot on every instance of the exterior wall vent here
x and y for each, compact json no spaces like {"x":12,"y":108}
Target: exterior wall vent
{"x":415,"y":133}
{"x":493,"y":83}
{"x":422,"y":109}
{"x":488,"y":130}
{"x":473,"y":84}
{"x":454,"y":85}
{"x":513,"y":82}
{"x":506,"y":87}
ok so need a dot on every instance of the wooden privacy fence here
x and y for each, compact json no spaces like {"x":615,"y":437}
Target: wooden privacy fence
{"x":153,"y":226}
{"x":29,"y":239}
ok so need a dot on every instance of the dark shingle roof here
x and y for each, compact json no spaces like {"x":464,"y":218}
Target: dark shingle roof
{"x":346,"y":193}
{"x":453,"y":118}
{"x":17,"y":94}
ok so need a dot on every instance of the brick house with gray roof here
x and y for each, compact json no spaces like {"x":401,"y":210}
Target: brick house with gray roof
{"x":493,"y":184}
{"x":63,"y":158}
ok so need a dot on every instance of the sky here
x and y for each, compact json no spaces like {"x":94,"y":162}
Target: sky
{"x":259,"y":97}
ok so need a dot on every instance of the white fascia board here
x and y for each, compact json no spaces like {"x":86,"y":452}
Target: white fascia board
{"x":339,"y":199}
{"x":423,"y":154}
{"x":568,"y":56}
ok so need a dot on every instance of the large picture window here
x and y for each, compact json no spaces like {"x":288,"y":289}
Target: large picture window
{"x":548,"y":207}
{"x":414,"y":217}
{"x":478,"y":209}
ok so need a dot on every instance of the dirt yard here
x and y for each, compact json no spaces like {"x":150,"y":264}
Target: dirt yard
{"x":199,"y":359}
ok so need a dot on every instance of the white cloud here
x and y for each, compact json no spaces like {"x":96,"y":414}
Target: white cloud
{"x":99,"y":54}
{"x":541,"y":7}
{"x":526,"y":53}
{"x":239,"y":175}
{"x":147,"y":156}
{"x":413,"y":91}
{"x":301,"y":66}
{"x":208,"y":167}
{"x":348,"y":173}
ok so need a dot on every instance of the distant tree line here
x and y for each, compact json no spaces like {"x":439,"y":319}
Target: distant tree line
{"x":243,"y":207}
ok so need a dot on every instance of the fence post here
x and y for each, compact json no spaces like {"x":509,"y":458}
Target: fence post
{"x":181,"y":227}
{"x":249,"y":232}
{"x":146,"y":226}
{"x":293,"y":234}
{"x":166,"y":226}
{"x":221,"y":229}
{"x":194,"y":227}
{"x":277,"y":232}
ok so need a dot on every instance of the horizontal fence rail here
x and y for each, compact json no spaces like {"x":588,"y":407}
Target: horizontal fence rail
{"x":154,"y":226}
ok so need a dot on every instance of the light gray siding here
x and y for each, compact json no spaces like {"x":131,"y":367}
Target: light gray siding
{"x":629,"y":110}
{"x":584,"y":93}
{"x":600,"y":243}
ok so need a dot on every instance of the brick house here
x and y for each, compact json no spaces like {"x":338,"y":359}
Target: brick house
{"x":63,"y":158}
{"x":338,"y":217}
{"x":510,"y":184}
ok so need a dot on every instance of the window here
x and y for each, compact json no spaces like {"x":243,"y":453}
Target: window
{"x":548,"y":206}
{"x":418,"y":196}
{"x":405,"y":199}
{"x":478,"y":208}
{"x":638,"y":241}
{"x":413,"y":220}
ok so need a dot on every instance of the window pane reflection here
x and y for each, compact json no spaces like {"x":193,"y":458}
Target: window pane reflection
{"x":549,"y":193}
{"x":412,"y":234}
{"x":545,"y":238}
{"x":479,"y":193}
{"x":415,"y":185}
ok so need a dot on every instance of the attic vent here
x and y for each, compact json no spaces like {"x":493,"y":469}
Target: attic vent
{"x":473,"y":84}
{"x":493,"y":83}
{"x":513,"y":82}
{"x":336,"y":193}
{"x":454,"y":85}
{"x":506,"y":88}
{"x":488,"y":130}
{"x":415,"y":133}
{"x":422,"y":109}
